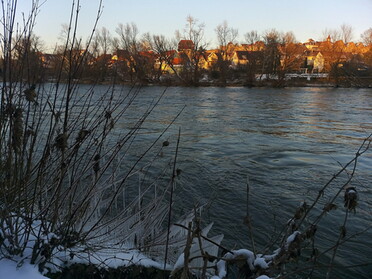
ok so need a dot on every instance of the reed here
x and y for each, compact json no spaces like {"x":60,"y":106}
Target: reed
{"x":68,"y":174}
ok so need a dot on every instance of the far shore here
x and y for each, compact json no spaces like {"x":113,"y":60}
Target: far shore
{"x":366,"y":83}
{"x":271,"y":83}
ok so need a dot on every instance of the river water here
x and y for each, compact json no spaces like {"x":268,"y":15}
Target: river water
{"x":287,"y":142}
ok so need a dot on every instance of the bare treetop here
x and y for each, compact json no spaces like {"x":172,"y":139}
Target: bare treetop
{"x":367,"y":36}
{"x":252,"y":37}
{"x":226,"y":34}
{"x":346,"y":33}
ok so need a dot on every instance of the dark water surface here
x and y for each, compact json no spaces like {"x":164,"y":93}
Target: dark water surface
{"x":289,"y":142}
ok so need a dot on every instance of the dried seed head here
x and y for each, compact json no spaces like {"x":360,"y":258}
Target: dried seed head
{"x":310,"y":232}
{"x":351,"y":198}
{"x":329,"y":206}
{"x":108,"y":114}
{"x":300,"y":211}
{"x":61,"y":141}
{"x":30,"y":132}
{"x":57,"y":116}
{"x":30,"y":94}
{"x":9,"y":109}
{"x":82,"y":135}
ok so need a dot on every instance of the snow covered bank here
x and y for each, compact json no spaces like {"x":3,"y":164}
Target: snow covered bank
{"x":11,"y":270}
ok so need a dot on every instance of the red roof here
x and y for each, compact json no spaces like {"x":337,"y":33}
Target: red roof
{"x":148,"y":54}
{"x":177,"y":61}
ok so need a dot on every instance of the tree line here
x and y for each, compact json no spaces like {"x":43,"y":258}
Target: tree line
{"x":129,"y":56}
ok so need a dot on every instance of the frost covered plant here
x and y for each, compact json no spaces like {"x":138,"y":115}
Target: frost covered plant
{"x":199,"y":254}
{"x":69,"y":177}
{"x":351,"y":198}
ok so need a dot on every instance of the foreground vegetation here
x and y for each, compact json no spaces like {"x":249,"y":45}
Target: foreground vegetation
{"x":73,"y":184}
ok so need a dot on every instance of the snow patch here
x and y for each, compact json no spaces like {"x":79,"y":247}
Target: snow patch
{"x":291,"y":238}
{"x":10,"y":269}
{"x":180,"y":262}
{"x":261,"y":263}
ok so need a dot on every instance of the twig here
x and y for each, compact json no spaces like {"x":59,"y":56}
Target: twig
{"x":248,"y":221}
{"x":171,"y":199}
{"x":186,"y":252}
{"x":361,"y":150}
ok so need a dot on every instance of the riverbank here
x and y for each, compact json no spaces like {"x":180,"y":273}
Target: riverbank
{"x":325,"y":83}
{"x":305,"y":81}
{"x":82,"y":271}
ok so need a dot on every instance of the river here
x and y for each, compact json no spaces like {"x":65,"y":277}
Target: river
{"x":287,"y":142}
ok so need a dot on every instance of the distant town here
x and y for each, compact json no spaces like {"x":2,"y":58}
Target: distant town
{"x":272,"y":59}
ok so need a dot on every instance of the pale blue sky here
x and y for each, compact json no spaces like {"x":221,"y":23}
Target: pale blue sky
{"x":307,"y":19}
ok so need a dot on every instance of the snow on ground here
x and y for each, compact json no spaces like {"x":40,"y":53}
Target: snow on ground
{"x":20,"y":267}
{"x":109,"y":258}
{"x":9,"y":270}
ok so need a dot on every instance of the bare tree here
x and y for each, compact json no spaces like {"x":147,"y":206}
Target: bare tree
{"x":331,"y":34}
{"x":291,"y":55}
{"x":194,"y":34}
{"x":135,"y":53}
{"x":255,"y":49}
{"x":289,"y":38}
{"x":115,"y":43}
{"x":69,"y":41}
{"x":128,"y":43}
{"x":101,"y":45}
{"x":104,"y":40}
{"x":346,"y":33}
{"x":194,"y":30}
{"x":251,"y":37}
{"x":272,"y":39}
{"x":26,"y":62}
{"x":165,"y":51}
{"x":226,"y":37}
{"x":367,"y":37}
{"x":73,"y":52}
{"x":128,"y":36}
